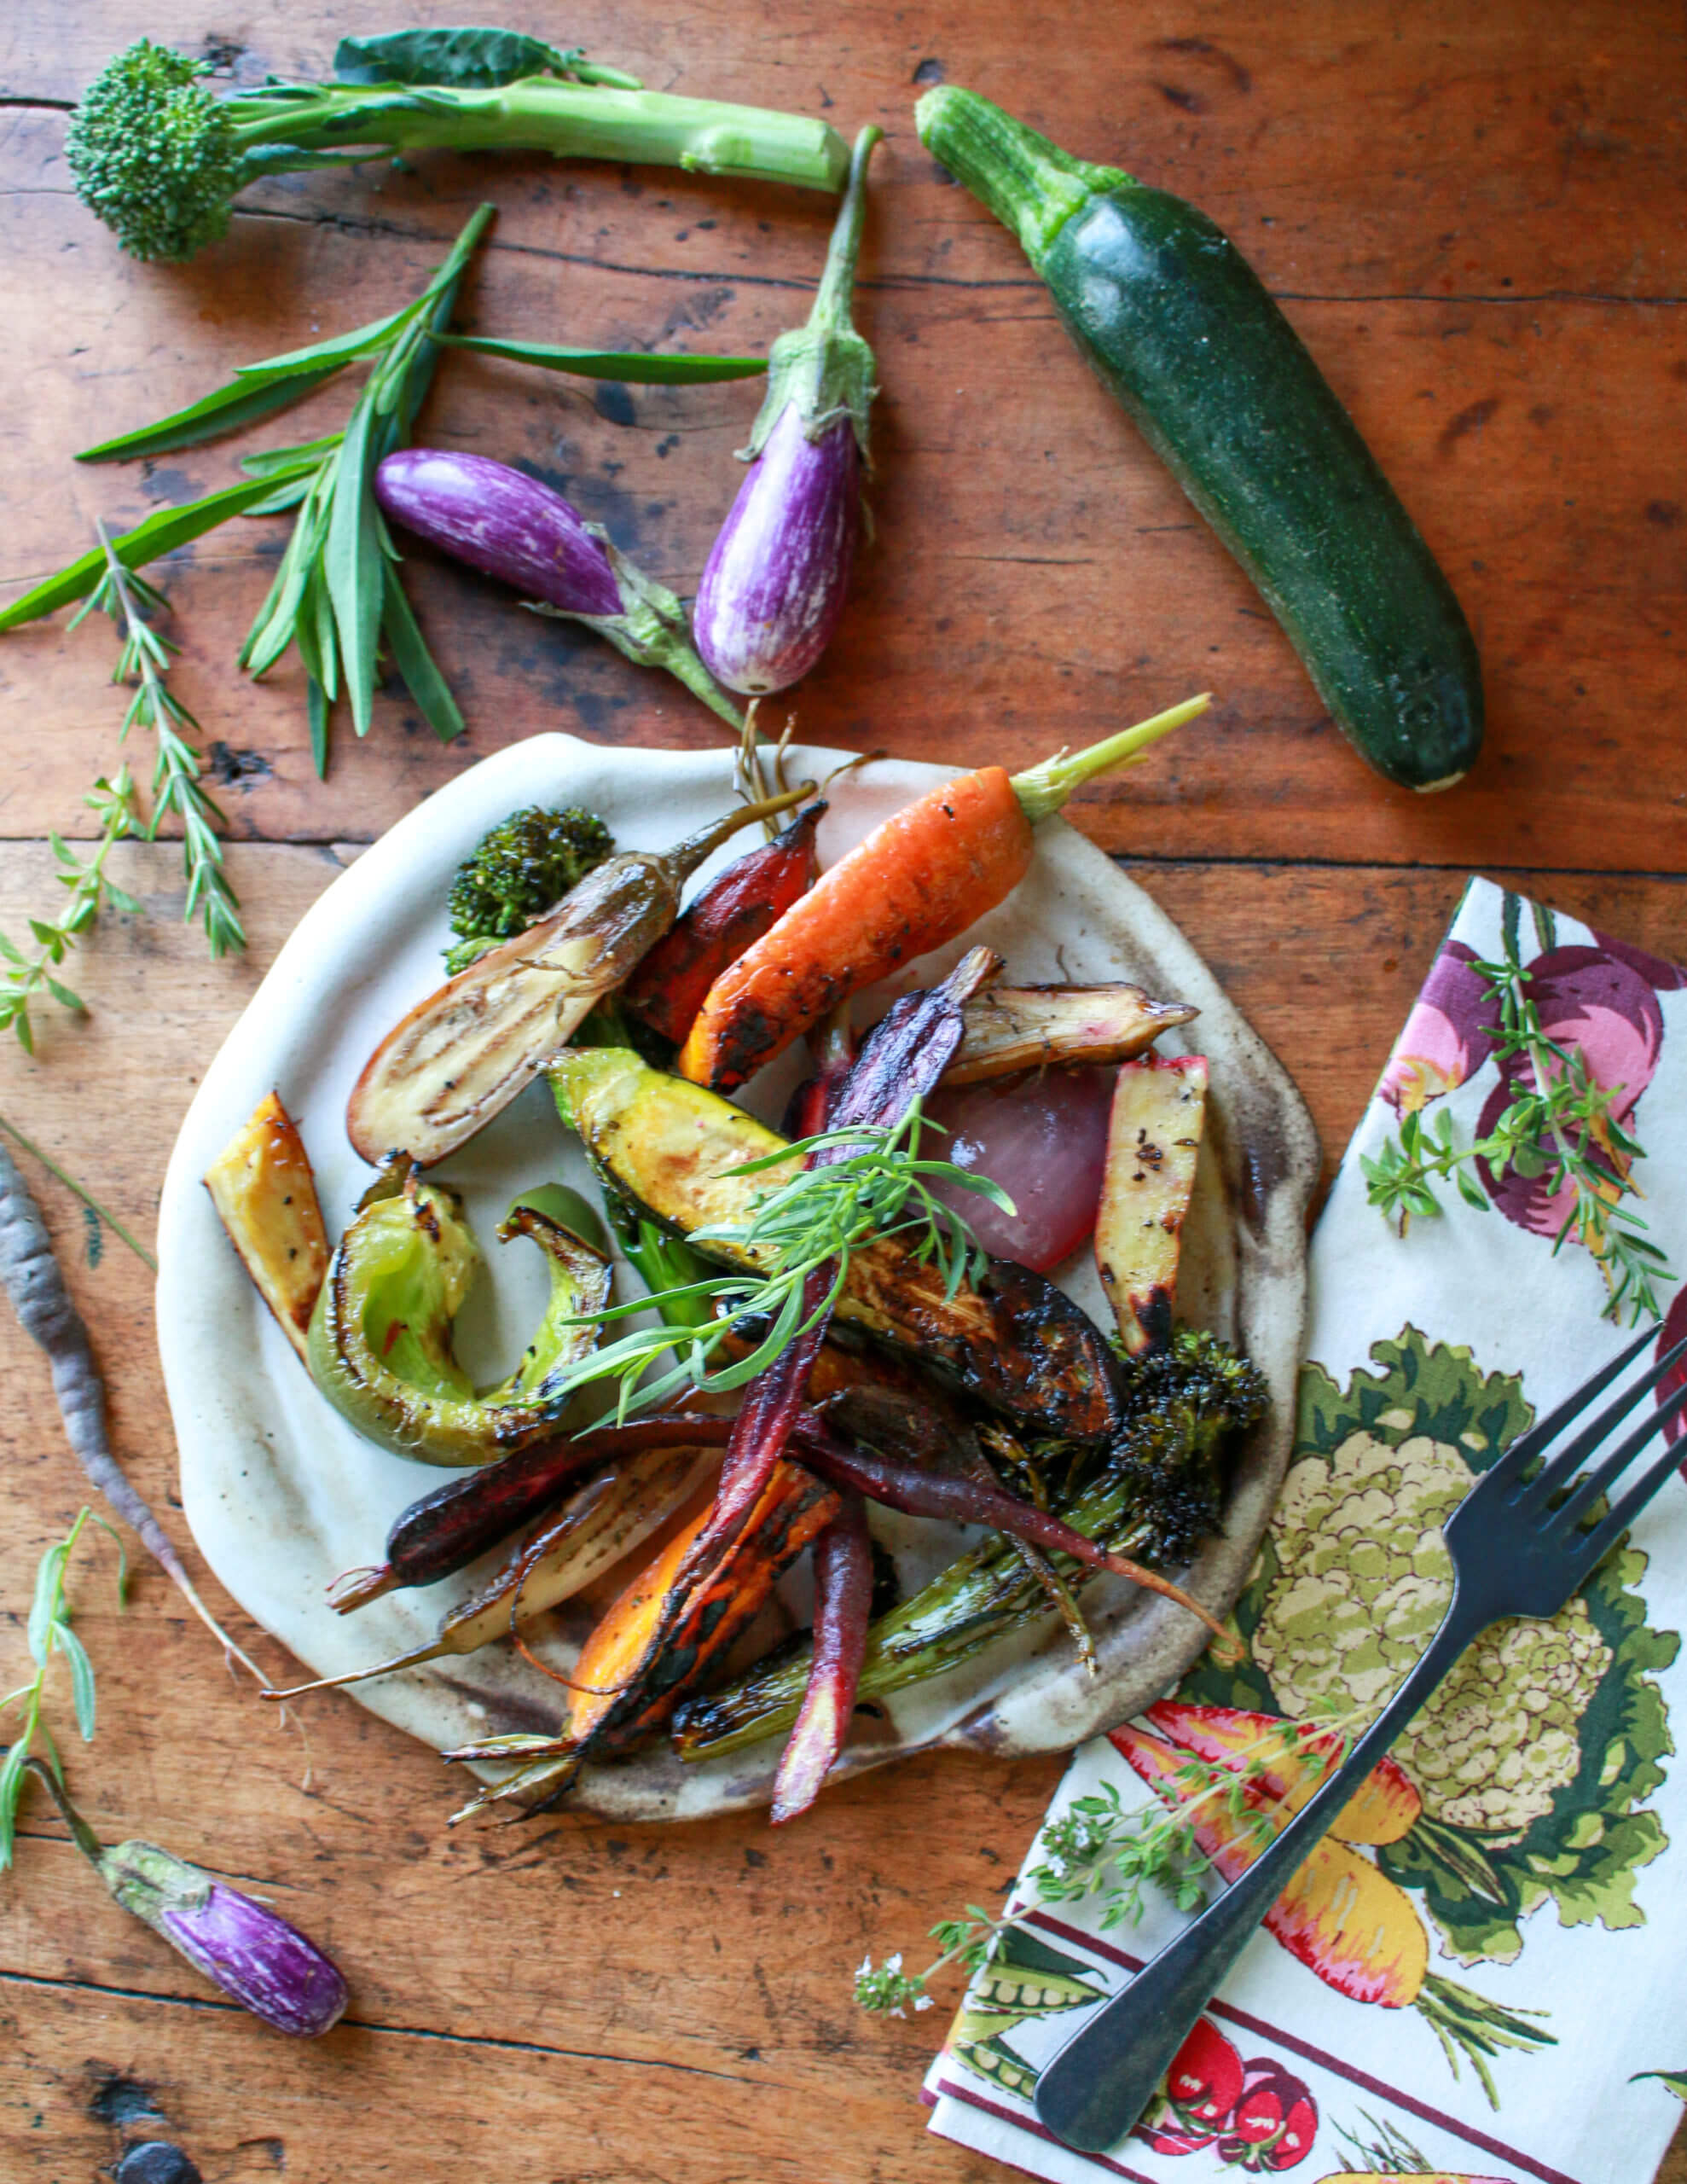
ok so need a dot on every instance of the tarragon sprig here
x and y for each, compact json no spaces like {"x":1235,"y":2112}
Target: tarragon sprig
{"x":49,"y":1633}
{"x":813,"y":1220}
{"x":176,"y":786}
{"x":1560,"y":1126}
{"x":1099,"y":1848}
{"x":27,"y":977}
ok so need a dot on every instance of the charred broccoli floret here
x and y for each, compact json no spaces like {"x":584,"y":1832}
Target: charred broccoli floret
{"x":1186,"y":1406}
{"x":526,"y":864}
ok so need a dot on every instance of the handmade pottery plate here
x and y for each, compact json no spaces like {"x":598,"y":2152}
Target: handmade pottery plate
{"x":282,"y":1495}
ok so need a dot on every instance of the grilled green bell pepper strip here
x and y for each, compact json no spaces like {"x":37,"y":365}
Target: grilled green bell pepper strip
{"x":380,"y":1341}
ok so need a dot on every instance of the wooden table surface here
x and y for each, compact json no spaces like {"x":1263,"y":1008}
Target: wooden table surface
{"x":1477,"y":218}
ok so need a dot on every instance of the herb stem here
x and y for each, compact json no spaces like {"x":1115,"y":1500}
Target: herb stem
{"x":80,"y":1191}
{"x":177,"y":783}
{"x":113,"y":802}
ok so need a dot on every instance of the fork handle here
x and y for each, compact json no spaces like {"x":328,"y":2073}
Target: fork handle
{"x":1107,"y":2075}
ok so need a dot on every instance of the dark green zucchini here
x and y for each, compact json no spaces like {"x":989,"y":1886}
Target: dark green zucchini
{"x":1016,"y":1343}
{"x":1182,"y":331}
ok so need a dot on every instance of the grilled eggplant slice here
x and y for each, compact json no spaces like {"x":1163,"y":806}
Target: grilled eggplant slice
{"x":1016,"y":1343}
{"x":1014,"y":1028}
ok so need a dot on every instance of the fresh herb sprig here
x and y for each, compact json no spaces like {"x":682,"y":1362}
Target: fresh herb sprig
{"x":176,"y":786}
{"x":1097,"y":1849}
{"x":49,"y":1633}
{"x":27,"y":977}
{"x":816,"y":1219}
{"x":1560,"y":1126}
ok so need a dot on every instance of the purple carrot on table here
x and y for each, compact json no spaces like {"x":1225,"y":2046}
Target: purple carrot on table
{"x":777,"y":576}
{"x":843,"y":1610}
{"x":515,"y":528}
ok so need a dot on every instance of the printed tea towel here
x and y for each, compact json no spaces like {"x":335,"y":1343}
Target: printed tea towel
{"x":1484,"y":1975}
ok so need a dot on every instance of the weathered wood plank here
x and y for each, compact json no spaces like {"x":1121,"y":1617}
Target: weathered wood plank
{"x":1037,"y":578}
{"x":1435,"y":152}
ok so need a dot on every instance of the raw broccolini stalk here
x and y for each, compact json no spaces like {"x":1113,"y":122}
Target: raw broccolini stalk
{"x":161,"y":159}
{"x":1155,"y":1493}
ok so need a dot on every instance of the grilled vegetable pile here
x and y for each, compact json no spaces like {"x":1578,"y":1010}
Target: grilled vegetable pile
{"x":823,"y":1331}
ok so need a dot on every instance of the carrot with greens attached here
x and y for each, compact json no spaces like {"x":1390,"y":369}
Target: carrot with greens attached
{"x":917,"y":881}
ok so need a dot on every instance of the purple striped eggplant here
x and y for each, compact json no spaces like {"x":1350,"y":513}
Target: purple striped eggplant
{"x":513,"y":527}
{"x":249,"y":1951}
{"x":774,"y":589}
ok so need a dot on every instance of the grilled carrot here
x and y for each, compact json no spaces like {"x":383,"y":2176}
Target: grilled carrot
{"x":732,"y":913}
{"x":922,"y":877}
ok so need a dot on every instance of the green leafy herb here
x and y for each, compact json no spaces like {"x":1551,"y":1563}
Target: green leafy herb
{"x":49,"y":1633}
{"x":1099,"y":1850}
{"x":636,"y":366}
{"x":26,"y":977}
{"x":90,"y":1205}
{"x":813,"y":1220}
{"x":161,"y":533}
{"x":1560,"y":1126}
{"x":144,"y":660}
{"x":468,"y":59}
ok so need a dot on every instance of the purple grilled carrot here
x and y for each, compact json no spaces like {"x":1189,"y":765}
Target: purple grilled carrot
{"x":32,"y":1279}
{"x":511,"y":526}
{"x":966,"y":1500}
{"x":903,"y":1057}
{"x":446,"y":1529}
{"x":777,"y":576}
{"x":668,"y":988}
{"x":842,"y":1610}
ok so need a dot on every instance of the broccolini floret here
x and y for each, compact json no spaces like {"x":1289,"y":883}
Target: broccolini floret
{"x":526,"y":864}
{"x":1186,"y":1406}
{"x":155,"y":154}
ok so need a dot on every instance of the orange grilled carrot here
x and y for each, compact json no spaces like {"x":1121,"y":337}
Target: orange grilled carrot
{"x":919,"y":880}
{"x":1339,"y":1915}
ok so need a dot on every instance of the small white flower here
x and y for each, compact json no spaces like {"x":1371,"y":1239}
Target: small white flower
{"x":922,"y":2002}
{"x":894,"y":1963}
{"x":865,"y":1967}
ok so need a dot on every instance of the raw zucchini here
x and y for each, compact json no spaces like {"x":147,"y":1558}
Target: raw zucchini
{"x":1180,"y":329}
{"x":1017,"y":1343}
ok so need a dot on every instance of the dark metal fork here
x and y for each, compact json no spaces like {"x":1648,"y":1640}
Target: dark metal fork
{"x":1520,"y":1545}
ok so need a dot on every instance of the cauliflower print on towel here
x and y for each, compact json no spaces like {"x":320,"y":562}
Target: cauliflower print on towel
{"x":1597,"y":1013}
{"x":1521,"y":1782}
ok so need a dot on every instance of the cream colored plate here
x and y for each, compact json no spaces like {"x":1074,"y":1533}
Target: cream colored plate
{"x":282,"y":1495}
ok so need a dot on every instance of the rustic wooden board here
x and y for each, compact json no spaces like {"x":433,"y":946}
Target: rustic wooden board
{"x":1477,"y":225}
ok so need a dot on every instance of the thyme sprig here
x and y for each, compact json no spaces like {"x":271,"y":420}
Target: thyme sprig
{"x":1097,"y":1849}
{"x":813,"y":1220}
{"x":177,"y":786}
{"x":27,"y":977}
{"x":1560,"y":1126}
{"x":49,"y":1633}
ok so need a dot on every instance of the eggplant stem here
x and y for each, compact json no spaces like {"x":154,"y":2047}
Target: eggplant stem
{"x":832,"y":299}
{"x":1043,"y":789}
{"x":684,"y":858}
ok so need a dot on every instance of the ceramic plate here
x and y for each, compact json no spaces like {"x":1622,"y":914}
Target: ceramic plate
{"x":281,"y":1494}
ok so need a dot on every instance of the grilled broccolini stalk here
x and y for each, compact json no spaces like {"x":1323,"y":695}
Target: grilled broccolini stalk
{"x":523,"y":868}
{"x":1155,"y":1491}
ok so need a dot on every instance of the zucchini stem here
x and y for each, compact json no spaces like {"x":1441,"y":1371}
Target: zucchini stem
{"x":1043,"y":789}
{"x":1030,"y":184}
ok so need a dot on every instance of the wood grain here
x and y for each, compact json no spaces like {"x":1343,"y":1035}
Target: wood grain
{"x":1476,"y":223}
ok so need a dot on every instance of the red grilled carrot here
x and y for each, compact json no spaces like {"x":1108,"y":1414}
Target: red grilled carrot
{"x":923,"y":877}
{"x":732,"y":913}
{"x":842,"y":1609}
